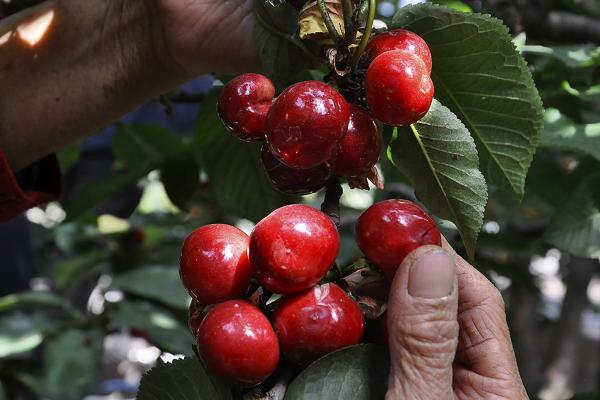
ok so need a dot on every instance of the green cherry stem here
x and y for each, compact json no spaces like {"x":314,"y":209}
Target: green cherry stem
{"x":335,"y":35}
{"x":367,"y":34}
{"x":348,"y":10}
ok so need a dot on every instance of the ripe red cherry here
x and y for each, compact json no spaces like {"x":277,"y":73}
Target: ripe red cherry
{"x":236,"y":341}
{"x":400,"y":39}
{"x":293,"y":180}
{"x":399,"y":88}
{"x":314,"y":323}
{"x":387,"y":231}
{"x":292,"y":248}
{"x":244,"y":104}
{"x":306,"y":123}
{"x":214,"y":264}
{"x":359,"y":151}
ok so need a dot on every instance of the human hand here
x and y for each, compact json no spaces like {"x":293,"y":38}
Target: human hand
{"x":202,"y":36}
{"x":448,"y":333}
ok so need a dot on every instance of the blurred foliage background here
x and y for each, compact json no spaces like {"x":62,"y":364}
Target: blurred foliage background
{"x":90,"y":290}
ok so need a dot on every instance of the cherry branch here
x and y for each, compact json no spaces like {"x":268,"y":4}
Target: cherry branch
{"x":331,"y":203}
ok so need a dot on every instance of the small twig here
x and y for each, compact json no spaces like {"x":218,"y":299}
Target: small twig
{"x":331,"y":203}
{"x":367,"y":34}
{"x":335,"y":35}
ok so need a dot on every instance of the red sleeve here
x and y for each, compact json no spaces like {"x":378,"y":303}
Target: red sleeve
{"x":45,"y":187}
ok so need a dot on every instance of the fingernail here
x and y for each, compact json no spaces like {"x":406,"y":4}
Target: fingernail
{"x":432,"y":276}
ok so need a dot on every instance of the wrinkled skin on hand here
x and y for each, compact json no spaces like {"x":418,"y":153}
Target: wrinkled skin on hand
{"x":202,"y":36}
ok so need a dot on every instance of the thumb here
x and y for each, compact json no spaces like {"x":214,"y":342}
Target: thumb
{"x":422,"y":325}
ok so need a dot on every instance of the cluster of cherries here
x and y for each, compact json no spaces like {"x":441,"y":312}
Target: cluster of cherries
{"x":310,"y":130}
{"x":288,"y":253}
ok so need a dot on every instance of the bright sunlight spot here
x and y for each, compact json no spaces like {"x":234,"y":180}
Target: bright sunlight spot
{"x":33,"y":32}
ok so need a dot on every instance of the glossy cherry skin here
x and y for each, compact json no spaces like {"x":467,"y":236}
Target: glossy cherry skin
{"x":389,"y":230}
{"x":244,"y":104}
{"x":237,"y":342}
{"x":316,"y":322}
{"x":214,"y":264}
{"x":293,"y":180}
{"x":359,"y":151}
{"x":399,"y":88}
{"x":292,"y":248}
{"x":400,"y":39}
{"x":306,"y":123}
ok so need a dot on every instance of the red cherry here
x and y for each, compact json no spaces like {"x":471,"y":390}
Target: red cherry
{"x":314,"y":323}
{"x":306,"y":123}
{"x":400,"y":39}
{"x":214,"y":264}
{"x":292,"y":248}
{"x":359,"y":151}
{"x":293,"y":180}
{"x":236,"y":341}
{"x":399,"y":88}
{"x":195,"y":315}
{"x":391,"y":229}
{"x":244,"y":103}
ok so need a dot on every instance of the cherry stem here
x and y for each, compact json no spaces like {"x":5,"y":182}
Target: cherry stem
{"x":348,"y":23}
{"x":335,"y":35}
{"x":331,"y":203}
{"x":367,"y":34}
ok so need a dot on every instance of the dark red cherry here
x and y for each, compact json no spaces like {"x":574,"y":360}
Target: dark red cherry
{"x":306,"y":123}
{"x":389,"y":230}
{"x":316,"y":322}
{"x":359,"y":151}
{"x":292,"y":248}
{"x":293,"y":180}
{"x":237,"y":342}
{"x":399,"y":88}
{"x":400,"y":39}
{"x":244,"y":103}
{"x":214,"y":264}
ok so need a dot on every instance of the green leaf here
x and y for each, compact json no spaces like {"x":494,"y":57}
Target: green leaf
{"x":358,"y":373}
{"x":575,"y":226}
{"x":234,"y":169}
{"x":457,"y":5}
{"x":440,"y":157}
{"x":71,"y":271}
{"x":183,"y":379}
{"x":162,"y":328}
{"x":275,"y":36}
{"x":101,"y":190}
{"x":72,"y":362}
{"x":31,"y":300}
{"x":21,"y":333}
{"x":141,"y":149}
{"x":68,"y":156}
{"x":180,"y":176}
{"x":480,"y":76}
{"x":155,"y":282}
{"x":562,"y":133}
